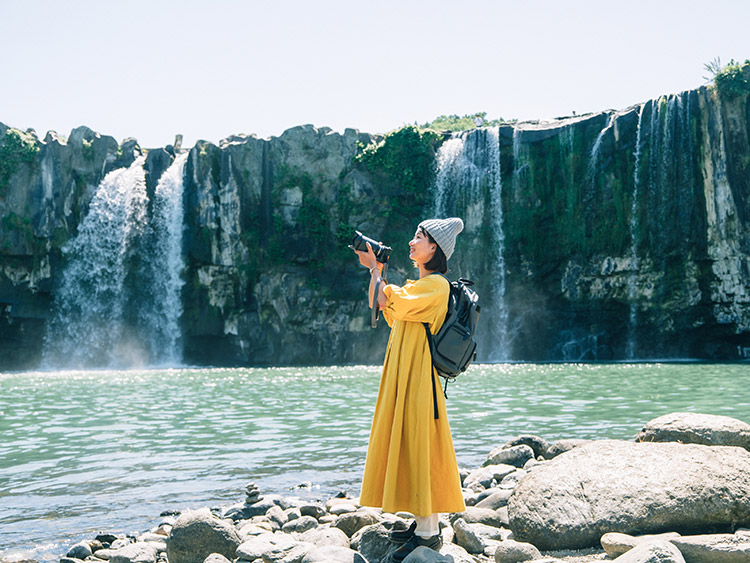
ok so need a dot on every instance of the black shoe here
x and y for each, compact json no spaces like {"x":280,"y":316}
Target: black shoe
{"x":433,"y":542}
{"x":400,"y":537}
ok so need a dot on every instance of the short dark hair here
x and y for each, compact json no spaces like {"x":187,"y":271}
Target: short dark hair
{"x":438,"y":262}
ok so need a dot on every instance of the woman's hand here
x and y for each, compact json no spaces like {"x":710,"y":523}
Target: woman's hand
{"x":367,"y":259}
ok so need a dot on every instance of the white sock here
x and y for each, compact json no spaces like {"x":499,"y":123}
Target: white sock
{"x":427,"y":526}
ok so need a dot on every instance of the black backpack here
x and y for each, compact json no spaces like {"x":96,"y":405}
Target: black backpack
{"x":454,"y":347}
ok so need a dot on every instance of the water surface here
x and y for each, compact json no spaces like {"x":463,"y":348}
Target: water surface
{"x":109,"y":450}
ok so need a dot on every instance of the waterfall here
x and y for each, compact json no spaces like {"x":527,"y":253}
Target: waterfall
{"x":499,"y":317}
{"x":469,"y":166}
{"x":119,"y":300}
{"x":449,"y":166}
{"x":163,"y":265}
{"x":594,"y":156}
{"x":633,"y":278}
{"x":88,"y":325}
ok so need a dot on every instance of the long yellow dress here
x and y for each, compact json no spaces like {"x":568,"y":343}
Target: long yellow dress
{"x":411,"y":464}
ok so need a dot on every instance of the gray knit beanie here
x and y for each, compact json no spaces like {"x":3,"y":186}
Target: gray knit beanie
{"x":444,"y":231}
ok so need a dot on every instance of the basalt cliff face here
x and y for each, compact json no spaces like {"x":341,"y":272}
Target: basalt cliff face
{"x":610,"y":236}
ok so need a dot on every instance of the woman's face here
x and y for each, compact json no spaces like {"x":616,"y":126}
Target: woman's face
{"x":421,"y":250}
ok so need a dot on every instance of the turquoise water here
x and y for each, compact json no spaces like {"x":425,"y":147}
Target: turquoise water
{"x":83,"y":452}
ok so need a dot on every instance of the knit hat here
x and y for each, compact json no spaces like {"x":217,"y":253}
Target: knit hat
{"x":444,"y":231}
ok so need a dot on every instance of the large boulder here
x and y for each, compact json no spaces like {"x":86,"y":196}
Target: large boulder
{"x":695,"y":428}
{"x":633,"y":488}
{"x":197,"y":534}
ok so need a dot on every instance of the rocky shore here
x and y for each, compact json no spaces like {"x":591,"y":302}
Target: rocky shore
{"x":679,"y":493}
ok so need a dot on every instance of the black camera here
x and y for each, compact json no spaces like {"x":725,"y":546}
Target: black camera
{"x":382,"y":252}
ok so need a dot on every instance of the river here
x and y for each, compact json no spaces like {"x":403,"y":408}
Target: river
{"x":89,"y":451}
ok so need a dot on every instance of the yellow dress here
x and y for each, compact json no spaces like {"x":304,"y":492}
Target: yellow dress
{"x":411,"y":464}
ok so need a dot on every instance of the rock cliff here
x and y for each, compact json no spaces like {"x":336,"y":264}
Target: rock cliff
{"x":618,"y":235}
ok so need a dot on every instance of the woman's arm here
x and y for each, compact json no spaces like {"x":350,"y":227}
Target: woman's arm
{"x":368,"y":260}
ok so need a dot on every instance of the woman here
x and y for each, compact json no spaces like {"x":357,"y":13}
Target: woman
{"x":411,"y":465}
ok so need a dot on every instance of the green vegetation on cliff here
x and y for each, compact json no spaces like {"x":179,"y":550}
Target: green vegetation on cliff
{"x":732,"y":79}
{"x":403,"y":164}
{"x":16,"y":147}
{"x":461,"y":123}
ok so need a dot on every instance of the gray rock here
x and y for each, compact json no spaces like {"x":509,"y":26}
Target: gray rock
{"x":151,"y":537}
{"x":466,"y":537}
{"x":252,"y":529}
{"x":627,"y":487}
{"x":277,"y":516}
{"x":537,"y":444}
{"x":261,"y":506}
{"x":503,"y":514}
{"x":136,"y":553}
{"x":325,"y":536}
{"x":372,"y":542}
{"x":216,"y":558}
{"x":274,"y":548}
{"x":301,"y":524}
{"x":342,"y":508}
{"x":514,"y":455}
{"x":120,"y":542}
{"x":562,"y":446}
{"x":615,"y":544}
{"x":496,"y":500}
{"x":79,"y":551}
{"x":490,"y":533}
{"x":351,"y":522}
{"x":714,"y":548}
{"x":426,"y":555}
{"x":103,"y":553}
{"x":475,"y":515}
{"x":512,"y":479}
{"x":314,"y":510}
{"x":333,"y":554}
{"x":695,"y":428}
{"x":653,"y":552}
{"x":487,"y":474}
{"x":455,"y":554}
{"x":471,"y":497}
{"x":511,"y":551}
{"x":197,"y":534}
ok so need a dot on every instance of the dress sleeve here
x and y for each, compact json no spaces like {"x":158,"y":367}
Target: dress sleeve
{"x":420,"y":301}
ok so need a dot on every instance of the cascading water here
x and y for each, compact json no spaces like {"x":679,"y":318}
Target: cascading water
{"x":499,"y":320}
{"x":469,"y":163}
{"x":632,"y":279}
{"x":162,"y":268}
{"x":119,"y":301}
{"x":88,"y":324}
{"x":450,"y":171}
{"x":594,"y":156}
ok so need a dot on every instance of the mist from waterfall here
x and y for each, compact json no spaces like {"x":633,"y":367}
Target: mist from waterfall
{"x":119,"y":304}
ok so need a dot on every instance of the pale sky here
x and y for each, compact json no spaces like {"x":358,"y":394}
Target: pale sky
{"x":209,"y":69}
